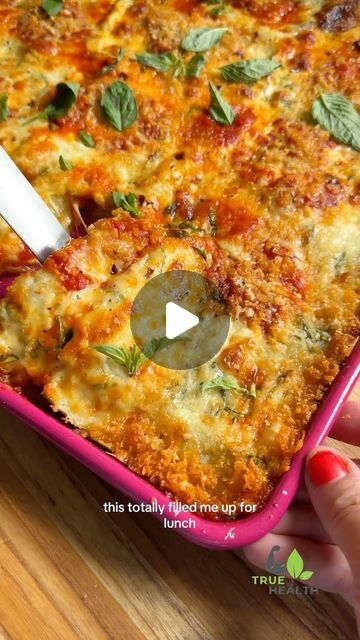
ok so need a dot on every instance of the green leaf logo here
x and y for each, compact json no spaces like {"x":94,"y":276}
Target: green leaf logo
{"x":295,"y":566}
{"x":306,"y":575}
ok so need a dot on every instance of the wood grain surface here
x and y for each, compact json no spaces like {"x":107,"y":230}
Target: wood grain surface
{"x":68,"y":571}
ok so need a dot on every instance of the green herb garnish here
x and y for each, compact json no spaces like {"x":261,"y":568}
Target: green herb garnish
{"x":218,"y":7}
{"x":52,"y":7}
{"x":220,"y":110}
{"x":65,"y":97}
{"x":65,"y":165}
{"x":110,"y":67}
{"x":119,"y":106}
{"x":202,"y":39}
{"x":129,"y":203}
{"x":86,"y":138}
{"x":160,"y":61}
{"x":169,"y":62}
{"x":157,"y":344}
{"x":248,"y":71}
{"x":338,"y":116}
{"x":200,"y":251}
{"x":132,"y":358}
{"x":4,"y":109}
{"x":65,"y":334}
{"x":311,"y":334}
{"x":227,"y":383}
{"x":195,"y":65}
{"x":183,"y":229}
{"x":235,"y":414}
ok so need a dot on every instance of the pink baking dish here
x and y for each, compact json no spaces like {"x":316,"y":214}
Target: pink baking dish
{"x":216,"y":535}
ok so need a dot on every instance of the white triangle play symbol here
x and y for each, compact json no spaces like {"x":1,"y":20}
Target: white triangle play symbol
{"x":178,"y":320}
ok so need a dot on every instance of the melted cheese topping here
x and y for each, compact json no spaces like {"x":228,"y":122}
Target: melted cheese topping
{"x":272,"y":200}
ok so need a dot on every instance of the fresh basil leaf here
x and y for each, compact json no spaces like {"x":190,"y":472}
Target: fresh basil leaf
{"x":65,"y":97}
{"x":248,"y":71}
{"x":65,"y":165}
{"x":4,"y":109}
{"x":119,"y":105}
{"x":110,"y":67}
{"x":158,"y":61}
{"x":220,"y":110}
{"x":131,"y":359}
{"x":86,"y":138}
{"x":157,"y":344}
{"x":338,"y":116}
{"x":203,"y":39}
{"x":227,"y":383}
{"x":195,"y":66}
{"x":129,"y":203}
{"x":52,"y":7}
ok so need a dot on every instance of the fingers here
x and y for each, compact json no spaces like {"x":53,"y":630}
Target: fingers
{"x":333,"y":483}
{"x":302,"y":494}
{"x":330,"y":569}
{"x":301,"y":520}
{"x":347,"y":427}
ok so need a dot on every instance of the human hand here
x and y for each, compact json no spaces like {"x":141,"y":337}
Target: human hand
{"x":323,"y":522}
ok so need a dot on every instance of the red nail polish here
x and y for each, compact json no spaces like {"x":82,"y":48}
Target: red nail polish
{"x":325,"y":466}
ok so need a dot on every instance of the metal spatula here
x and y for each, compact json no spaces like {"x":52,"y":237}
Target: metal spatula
{"x":26,"y":213}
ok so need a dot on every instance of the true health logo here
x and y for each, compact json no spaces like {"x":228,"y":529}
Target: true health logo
{"x":293,"y":567}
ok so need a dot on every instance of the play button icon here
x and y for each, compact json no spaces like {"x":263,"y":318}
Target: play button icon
{"x":179,"y":320}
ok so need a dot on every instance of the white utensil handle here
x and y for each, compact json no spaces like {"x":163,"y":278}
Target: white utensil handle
{"x":27,"y":213}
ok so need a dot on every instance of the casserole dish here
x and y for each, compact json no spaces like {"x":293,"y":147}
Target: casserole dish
{"x":175,"y":134}
{"x":214,"y":535}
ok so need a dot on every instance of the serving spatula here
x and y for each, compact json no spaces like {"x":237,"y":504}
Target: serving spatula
{"x":27,"y":213}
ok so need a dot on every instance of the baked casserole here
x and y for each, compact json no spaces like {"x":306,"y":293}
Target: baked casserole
{"x":210,"y":136}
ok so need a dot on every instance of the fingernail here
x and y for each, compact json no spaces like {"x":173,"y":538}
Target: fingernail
{"x":326,"y":466}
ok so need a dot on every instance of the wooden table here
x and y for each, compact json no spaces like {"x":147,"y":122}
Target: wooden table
{"x":68,"y":571}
